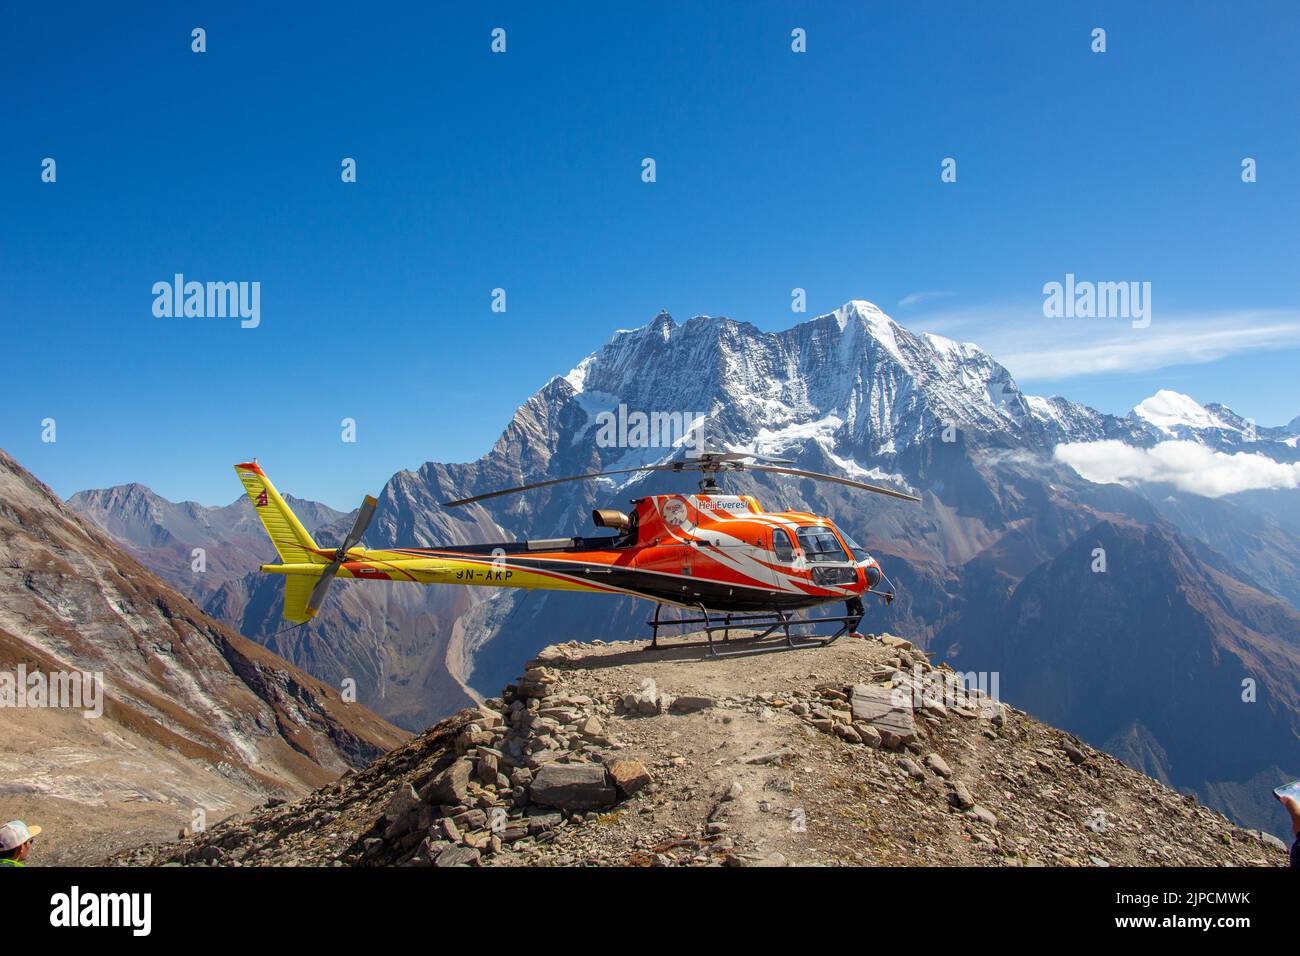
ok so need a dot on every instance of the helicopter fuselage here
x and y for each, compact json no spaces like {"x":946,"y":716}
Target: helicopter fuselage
{"x":721,"y":552}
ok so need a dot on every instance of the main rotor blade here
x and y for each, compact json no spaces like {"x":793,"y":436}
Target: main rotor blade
{"x":839,"y":481}
{"x":677,"y":466}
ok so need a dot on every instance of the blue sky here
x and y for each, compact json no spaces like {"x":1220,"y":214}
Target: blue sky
{"x":522,"y":171}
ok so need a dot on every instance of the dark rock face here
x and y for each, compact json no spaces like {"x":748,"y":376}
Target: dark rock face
{"x":1189,"y":674}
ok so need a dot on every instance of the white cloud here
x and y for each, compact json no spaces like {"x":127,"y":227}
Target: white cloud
{"x":916,"y":298}
{"x":1185,"y":465}
{"x":1034,"y":347}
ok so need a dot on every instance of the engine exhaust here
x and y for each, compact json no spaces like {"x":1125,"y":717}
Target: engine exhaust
{"x":611,"y":518}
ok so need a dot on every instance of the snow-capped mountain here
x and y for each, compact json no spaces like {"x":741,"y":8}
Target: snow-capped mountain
{"x":1175,"y":414}
{"x":854,"y":381}
{"x":1169,"y":415}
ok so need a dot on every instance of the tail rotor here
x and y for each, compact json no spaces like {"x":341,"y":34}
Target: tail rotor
{"x":364,"y":516}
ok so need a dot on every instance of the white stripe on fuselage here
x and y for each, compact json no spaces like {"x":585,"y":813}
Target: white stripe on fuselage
{"x":741,"y":556}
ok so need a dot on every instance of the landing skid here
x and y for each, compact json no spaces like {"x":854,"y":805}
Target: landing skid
{"x":766,"y":622}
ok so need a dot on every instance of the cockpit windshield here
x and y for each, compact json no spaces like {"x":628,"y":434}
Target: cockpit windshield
{"x":859,"y":553}
{"x":820,"y":546}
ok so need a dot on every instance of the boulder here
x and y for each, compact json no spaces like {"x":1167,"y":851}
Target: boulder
{"x":890,"y":713}
{"x":536,"y":682}
{"x":402,"y":812}
{"x":572,"y":786}
{"x":934,"y":708}
{"x":867,"y":734}
{"x":486,"y":769}
{"x":451,"y":786}
{"x":938,"y":765}
{"x":470,"y":820}
{"x":912,"y":768}
{"x":403,"y":800}
{"x":691,"y":705}
{"x":984,"y":816}
{"x":628,"y":776}
{"x":521,"y":777}
{"x":960,"y":797}
{"x":1269,"y":839}
{"x":457,"y":856}
{"x":540,"y":822}
{"x":644,"y":701}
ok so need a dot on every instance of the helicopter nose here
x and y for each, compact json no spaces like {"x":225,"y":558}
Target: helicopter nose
{"x":873,"y":575}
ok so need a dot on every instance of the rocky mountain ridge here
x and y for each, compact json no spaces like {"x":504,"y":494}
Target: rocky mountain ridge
{"x":164,"y":534}
{"x":195,"y":717}
{"x":860,"y":753}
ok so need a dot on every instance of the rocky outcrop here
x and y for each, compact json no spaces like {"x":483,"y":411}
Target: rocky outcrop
{"x":794,"y":758}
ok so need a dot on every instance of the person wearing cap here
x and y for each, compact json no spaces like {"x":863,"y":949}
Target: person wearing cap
{"x":16,"y":840}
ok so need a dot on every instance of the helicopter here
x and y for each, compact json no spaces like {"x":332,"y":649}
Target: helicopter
{"x":721,"y":555}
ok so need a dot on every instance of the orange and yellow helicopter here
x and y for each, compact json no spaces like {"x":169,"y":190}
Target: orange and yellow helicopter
{"x":721,"y":555}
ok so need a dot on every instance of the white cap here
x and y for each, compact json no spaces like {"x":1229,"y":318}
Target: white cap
{"x":14,"y":834}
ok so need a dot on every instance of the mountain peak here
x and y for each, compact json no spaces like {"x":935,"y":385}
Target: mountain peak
{"x":118,"y":493}
{"x":872,"y":317}
{"x":663,"y":323}
{"x":1168,"y":410}
{"x":866,"y":383}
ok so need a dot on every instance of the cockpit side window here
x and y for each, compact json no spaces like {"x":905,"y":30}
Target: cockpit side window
{"x":821,"y":546}
{"x":782,"y":546}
